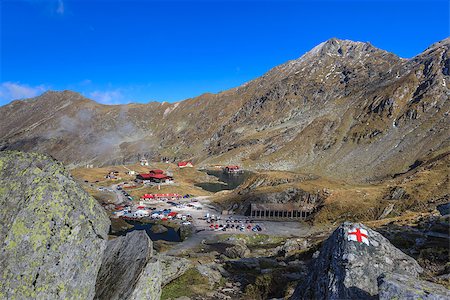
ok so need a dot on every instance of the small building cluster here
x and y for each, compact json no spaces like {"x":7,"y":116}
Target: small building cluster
{"x":143,"y":161}
{"x":112,"y":175}
{"x":170,"y":196}
{"x":232,"y":169}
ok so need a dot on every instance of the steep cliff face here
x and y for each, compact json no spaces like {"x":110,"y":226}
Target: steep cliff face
{"x":52,"y":232}
{"x":347,"y":109}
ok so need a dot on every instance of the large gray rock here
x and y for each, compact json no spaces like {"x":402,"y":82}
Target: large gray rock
{"x":185,"y":231}
{"x":396,"y":286}
{"x":211,"y":271}
{"x":173,"y":267}
{"x":129,"y":270}
{"x":148,"y":285}
{"x":238,"y":250}
{"x":52,"y":233}
{"x":291,"y":245}
{"x":347,"y":269}
{"x":157,"y":228}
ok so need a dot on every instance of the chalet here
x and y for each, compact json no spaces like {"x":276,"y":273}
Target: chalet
{"x":143,"y":161}
{"x":185,"y":164}
{"x":154,"y":177}
{"x":232,"y":169}
{"x":157,"y":171}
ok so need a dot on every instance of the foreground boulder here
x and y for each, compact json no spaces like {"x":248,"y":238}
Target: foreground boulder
{"x":52,"y":233}
{"x":350,"y":262}
{"x":396,"y":286}
{"x":129,"y":269}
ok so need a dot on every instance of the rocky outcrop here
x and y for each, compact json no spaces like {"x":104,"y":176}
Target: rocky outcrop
{"x":212,"y":271}
{"x":129,"y":269}
{"x":349,"y":264}
{"x":396,"y":286}
{"x":52,"y":233}
{"x":291,"y":246}
{"x":172,"y":267}
{"x":239,"y":250}
{"x":185,"y":231}
{"x":398,"y":193}
{"x":157,"y":228}
{"x":444,"y":209}
{"x":291,"y":195}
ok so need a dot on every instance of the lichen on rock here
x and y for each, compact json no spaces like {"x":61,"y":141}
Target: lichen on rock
{"x":52,"y":232}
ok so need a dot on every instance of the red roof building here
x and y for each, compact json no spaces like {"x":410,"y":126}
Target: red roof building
{"x":184,"y":164}
{"x":155,"y":177}
{"x":157,"y":171}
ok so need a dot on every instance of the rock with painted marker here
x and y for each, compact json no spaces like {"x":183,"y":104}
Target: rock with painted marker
{"x":350,"y":262}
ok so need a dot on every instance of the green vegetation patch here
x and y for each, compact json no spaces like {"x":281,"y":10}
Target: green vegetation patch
{"x":189,"y":284}
{"x":256,"y":240}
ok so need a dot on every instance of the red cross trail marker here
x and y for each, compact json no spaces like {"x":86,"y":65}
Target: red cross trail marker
{"x":358,"y":235}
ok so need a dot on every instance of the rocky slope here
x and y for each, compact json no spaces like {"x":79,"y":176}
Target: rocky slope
{"x":347,"y":109}
{"x":52,"y":232}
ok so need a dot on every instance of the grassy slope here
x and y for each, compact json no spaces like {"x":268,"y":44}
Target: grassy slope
{"x":426,"y":186}
{"x":184,"y":179}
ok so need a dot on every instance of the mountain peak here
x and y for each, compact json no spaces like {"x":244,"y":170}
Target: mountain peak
{"x":335,"y":46}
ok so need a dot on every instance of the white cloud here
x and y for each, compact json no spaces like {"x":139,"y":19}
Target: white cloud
{"x":107,"y":97}
{"x":60,"y":8}
{"x":15,"y":90}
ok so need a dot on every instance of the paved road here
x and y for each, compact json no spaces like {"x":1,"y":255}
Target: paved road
{"x":120,"y":198}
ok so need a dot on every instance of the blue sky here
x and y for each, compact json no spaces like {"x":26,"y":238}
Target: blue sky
{"x":141,"y":51}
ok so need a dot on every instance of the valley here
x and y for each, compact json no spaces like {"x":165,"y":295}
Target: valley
{"x":325,"y":163}
{"x":401,"y":207}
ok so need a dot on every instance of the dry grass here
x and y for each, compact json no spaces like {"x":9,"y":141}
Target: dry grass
{"x":185,"y":179}
{"x":426,"y":186}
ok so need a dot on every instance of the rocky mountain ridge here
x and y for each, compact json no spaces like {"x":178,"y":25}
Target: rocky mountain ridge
{"x":347,"y":109}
